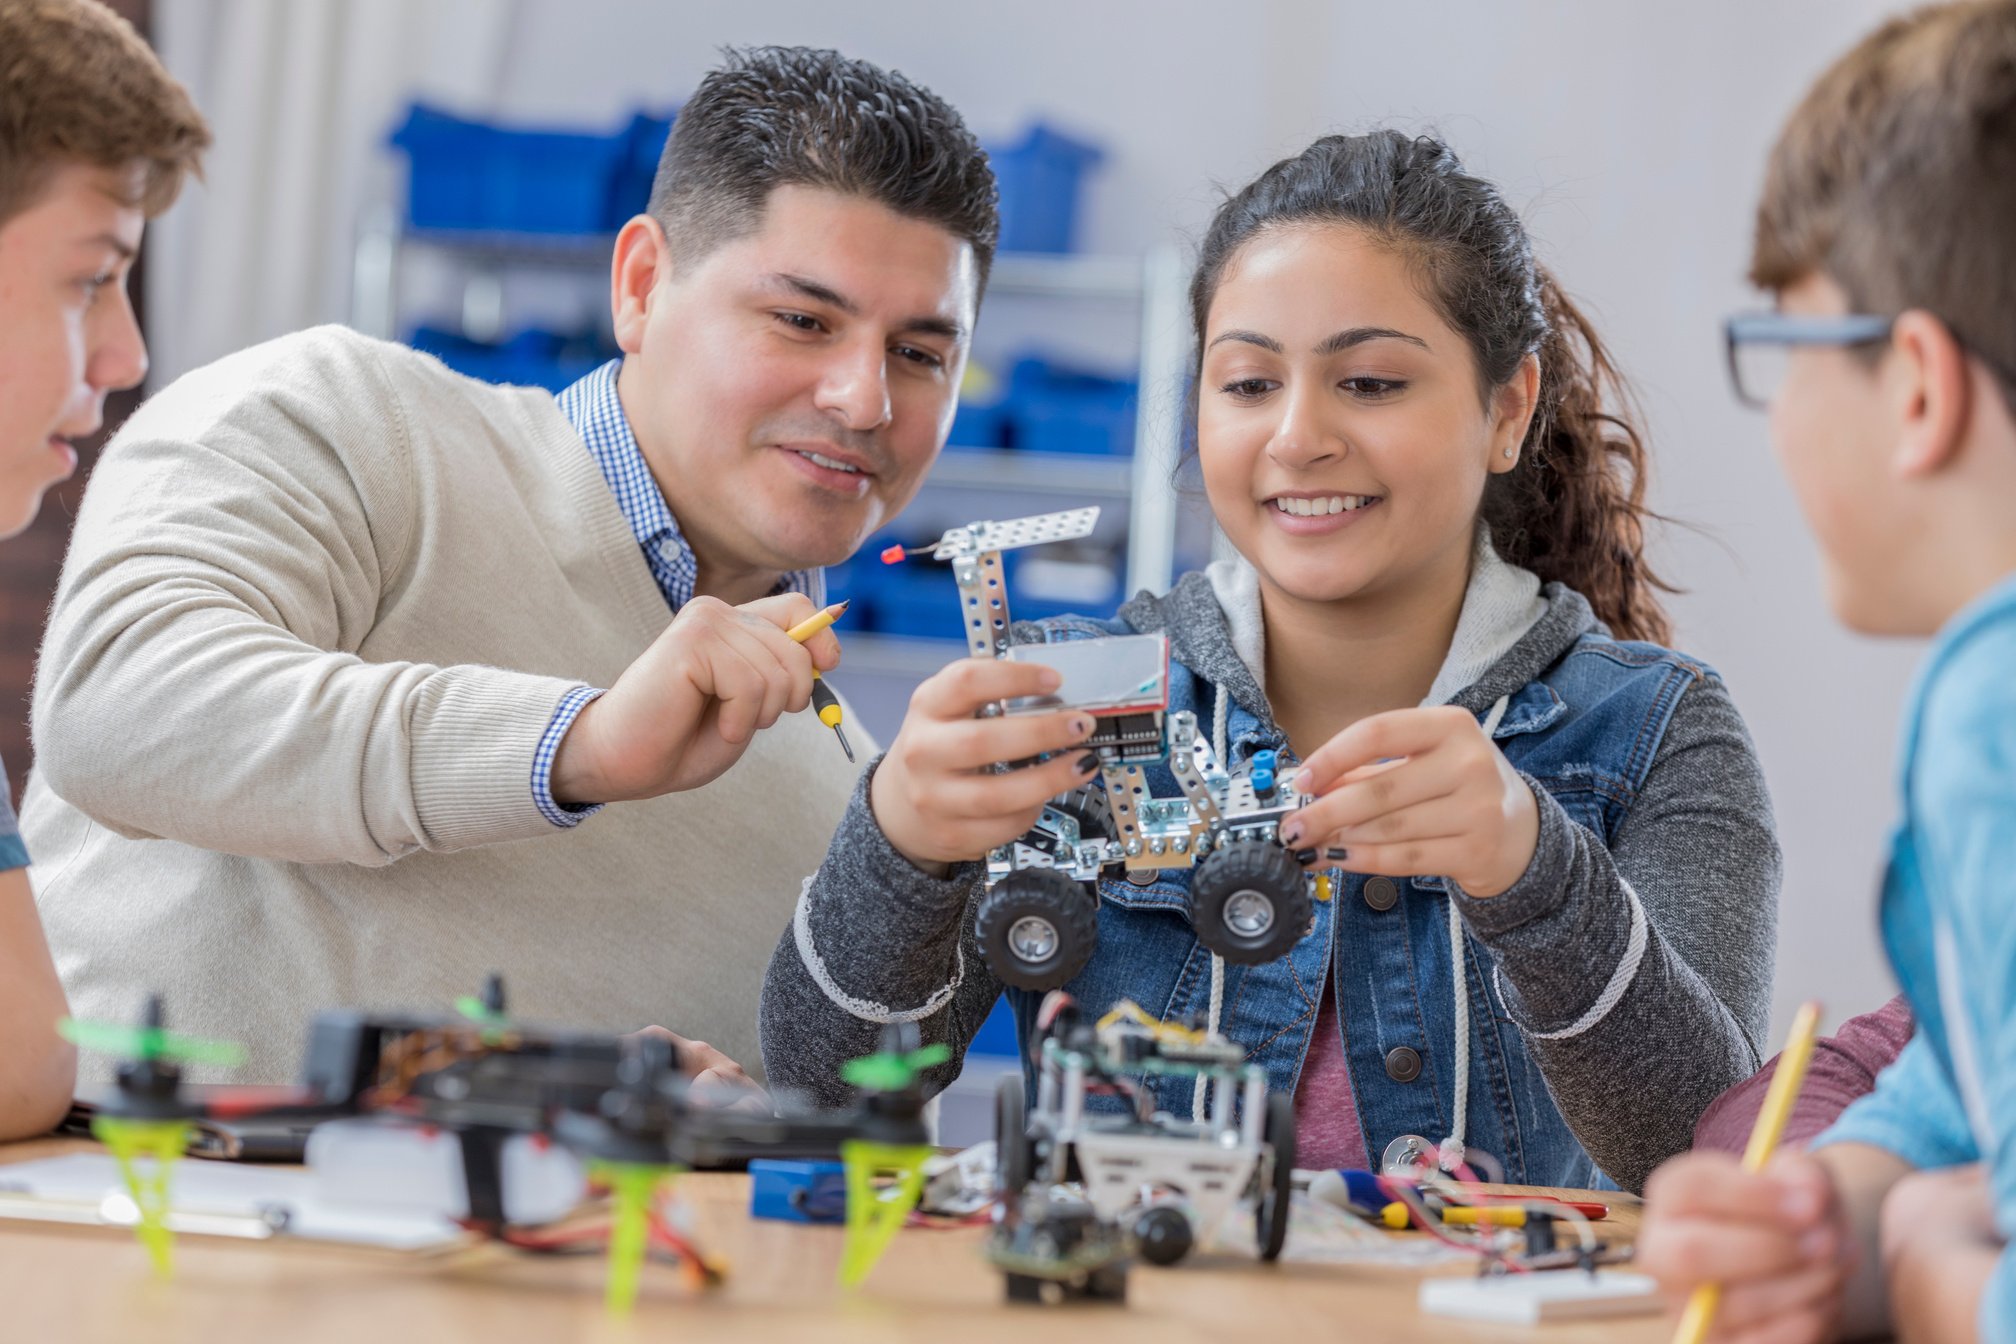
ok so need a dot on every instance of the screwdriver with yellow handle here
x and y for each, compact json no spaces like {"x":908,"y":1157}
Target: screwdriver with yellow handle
{"x":823,"y":700}
{"x":1397,"y":1216}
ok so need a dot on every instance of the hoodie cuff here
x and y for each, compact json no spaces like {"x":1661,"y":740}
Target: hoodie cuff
{"x":882,"y":930}
{"x":1543,"y":888}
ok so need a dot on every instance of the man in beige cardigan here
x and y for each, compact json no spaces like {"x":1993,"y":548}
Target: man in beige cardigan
{"x":317,"y":718}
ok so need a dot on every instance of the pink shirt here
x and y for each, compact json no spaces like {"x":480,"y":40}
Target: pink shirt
{"x":1844,"y":1067}
{"x":1327,"y":1132}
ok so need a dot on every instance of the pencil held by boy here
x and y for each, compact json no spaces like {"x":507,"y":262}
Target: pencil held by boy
{"x":1889,"y":367}
{"x":95,"y":139}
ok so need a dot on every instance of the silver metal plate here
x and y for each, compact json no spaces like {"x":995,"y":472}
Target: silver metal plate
{"x":1125,"y":672}
{"x":975,"y":538}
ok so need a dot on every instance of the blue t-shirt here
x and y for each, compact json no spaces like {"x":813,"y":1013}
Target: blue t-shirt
{"x":13,"y":854}
{"x":1948,"y":900}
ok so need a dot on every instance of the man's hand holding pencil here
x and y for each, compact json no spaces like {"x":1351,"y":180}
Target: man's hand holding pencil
{"x":692,"y":702}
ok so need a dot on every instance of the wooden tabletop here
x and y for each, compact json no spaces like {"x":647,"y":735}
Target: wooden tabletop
{"x":87,"y":1284}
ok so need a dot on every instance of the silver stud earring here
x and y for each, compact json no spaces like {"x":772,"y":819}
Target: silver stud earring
{"x":1509,"y":452}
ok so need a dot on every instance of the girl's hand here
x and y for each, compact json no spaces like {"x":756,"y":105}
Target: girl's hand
{"x":1418,"y":791}
{"x":936,"y":795}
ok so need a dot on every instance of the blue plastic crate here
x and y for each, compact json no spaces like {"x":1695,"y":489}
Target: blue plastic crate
{"x":643,"y":145}
{"x":980,"y":426}
{"x":998,"y":1036}
{"x":532,"y":358}
{"x":1057,"y":409}
{"x":470,"y":175}
{"x":858,"y":582}
{"x":918,"y":598}
{"x":1040,"y":177}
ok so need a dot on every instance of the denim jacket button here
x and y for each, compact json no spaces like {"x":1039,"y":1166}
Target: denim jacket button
{"x":1403,"y":1064}
{"x":1380,"y":893}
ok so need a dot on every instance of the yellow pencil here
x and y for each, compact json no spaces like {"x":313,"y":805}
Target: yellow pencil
{"x":1770,"y":1127}
{"x":823,"y":698}
{"x":816,"y":622}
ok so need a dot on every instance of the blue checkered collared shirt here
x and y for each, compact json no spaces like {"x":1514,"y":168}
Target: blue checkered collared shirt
{"x":593,"y":408}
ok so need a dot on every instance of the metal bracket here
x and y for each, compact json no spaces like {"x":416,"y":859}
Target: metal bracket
{"x":1124,"y":785}
{"x":983,"y":602}
{"x":975,"y":538}
{"x":1194,"y":764}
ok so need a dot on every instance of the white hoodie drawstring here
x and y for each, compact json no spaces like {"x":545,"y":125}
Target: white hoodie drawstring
{"x":1218,"y":716}
{"x":1454,"y":1149}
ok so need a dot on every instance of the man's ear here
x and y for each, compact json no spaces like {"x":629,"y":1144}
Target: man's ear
{"x":1930,"y":394}
{"x":642,"y":257}
{"x":1512,"y":407}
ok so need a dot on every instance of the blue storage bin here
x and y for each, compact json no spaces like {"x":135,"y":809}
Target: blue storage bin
{"x":980,"y":426}
{"x":918,"y":598}
{"x":469,"y":175}
{"x":532,"y":358}
{"x":1040,"y":176}
{"x":643,"y":145}
{"x":997,"y":1036}
{"x":1054,"y":409}
{"x":858,"y":582}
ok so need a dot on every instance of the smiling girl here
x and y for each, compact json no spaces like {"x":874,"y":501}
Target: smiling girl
{"x":1552,"y":852}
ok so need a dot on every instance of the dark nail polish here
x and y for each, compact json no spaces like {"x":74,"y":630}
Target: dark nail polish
{"x":1088,"y":762}
{"x":1336,"y":855}
{"x":1291,"y":834}
{"x":1305,"y":857}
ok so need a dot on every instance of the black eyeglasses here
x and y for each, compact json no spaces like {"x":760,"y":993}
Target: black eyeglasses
{"x":1759,"y":343}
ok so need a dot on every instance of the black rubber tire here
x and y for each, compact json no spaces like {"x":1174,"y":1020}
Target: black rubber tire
{"x":1270,"y":1212}
{"x":1108,"y":1283}
{"x":1071,"y":910}
{"x":1162,"y":1235}
{"x":1014,"y":1154}
{"x":1263,"y":870}
{"x":1087,"y":806}
{"x":1024,"y":1287}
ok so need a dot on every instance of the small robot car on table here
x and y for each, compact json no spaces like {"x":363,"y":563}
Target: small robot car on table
{"x":1038,"y":922}
{"x":1083,"y":1190}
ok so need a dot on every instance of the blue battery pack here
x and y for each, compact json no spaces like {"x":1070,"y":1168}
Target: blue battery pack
{"x":798,"y":1192}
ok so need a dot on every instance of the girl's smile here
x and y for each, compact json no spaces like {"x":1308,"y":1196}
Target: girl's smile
{"x":1302,"y":514}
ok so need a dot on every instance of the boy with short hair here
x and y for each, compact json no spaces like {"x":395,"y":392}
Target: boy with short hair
{"x":1886,"y":234}
{"x":95,"y":139}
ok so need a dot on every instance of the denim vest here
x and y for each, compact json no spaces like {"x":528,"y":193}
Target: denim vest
{"x":1587,"y":730}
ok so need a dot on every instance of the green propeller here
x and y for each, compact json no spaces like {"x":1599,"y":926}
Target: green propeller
{"x":148,"y":1043}
{"x":487,"y":1009}
{"x":476,"y":1010}
{"x":892,"y":1070}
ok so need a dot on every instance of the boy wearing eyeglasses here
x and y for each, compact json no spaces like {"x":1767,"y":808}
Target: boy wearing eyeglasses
{"x":95,"y":138}
{"x":1887,"y":233}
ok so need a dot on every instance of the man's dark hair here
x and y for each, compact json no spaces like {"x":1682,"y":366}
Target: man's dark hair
{"x":782,"y":116}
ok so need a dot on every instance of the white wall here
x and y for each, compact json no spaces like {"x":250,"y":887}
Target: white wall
{"x":1633,"y":136}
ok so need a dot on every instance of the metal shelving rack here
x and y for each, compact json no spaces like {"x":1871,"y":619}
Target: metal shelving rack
{"x":1153,"y":284}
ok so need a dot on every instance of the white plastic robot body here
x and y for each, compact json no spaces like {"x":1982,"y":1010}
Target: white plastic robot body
{"x":1128,"y":1163}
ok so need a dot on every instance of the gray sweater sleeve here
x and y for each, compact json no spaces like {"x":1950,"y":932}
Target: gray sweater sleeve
{"x":1640,"y":973}
{"x":873,"y":941}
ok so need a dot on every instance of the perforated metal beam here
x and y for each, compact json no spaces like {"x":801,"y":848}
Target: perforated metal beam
{"x":976,"y":538}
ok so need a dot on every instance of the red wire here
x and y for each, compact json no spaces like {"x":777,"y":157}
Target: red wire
{"x":1423,"y":1218}
{"x":1055,"y":1002}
